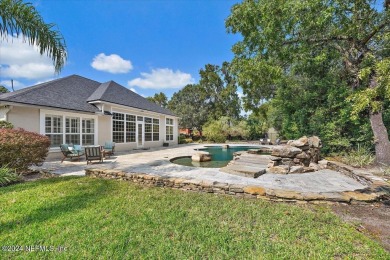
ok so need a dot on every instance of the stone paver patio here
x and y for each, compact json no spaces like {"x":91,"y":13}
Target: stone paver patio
{"x":156,"y":162}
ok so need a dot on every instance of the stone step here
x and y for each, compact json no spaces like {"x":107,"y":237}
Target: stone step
{"x":255,"y":161}
{"x":246,"y":171}
{"x":251,"y":164}
{"x":255,"y":158}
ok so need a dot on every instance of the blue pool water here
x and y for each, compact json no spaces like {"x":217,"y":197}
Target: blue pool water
{"x":220,"y":157}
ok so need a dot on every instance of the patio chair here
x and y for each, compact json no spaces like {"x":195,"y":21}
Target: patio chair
{"x":94,"y":153}
{"x":70,"y":152}
{"x":109,"y":148}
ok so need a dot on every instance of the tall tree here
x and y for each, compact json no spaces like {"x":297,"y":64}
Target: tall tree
{"x":189,"y":104}
{"x":22,"y":19}
{"x":160,"y":99}
{"x":280,"y":36}
{"x":221,"y":91}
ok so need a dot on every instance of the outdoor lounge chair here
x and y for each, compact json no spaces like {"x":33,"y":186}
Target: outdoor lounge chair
{"x":109,"y":148}
{"x":70,"y":152}
{"x":94,"y":153}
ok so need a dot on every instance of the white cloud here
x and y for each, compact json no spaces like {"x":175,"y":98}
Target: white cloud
{"x":27,"y":71}
{"x":8,"y":84}
{"x":21,"y":60}
{"x":111,"y":63}
{"x":43,"y":81}
{"x":133,"y":89}
{"x":162,"y":78}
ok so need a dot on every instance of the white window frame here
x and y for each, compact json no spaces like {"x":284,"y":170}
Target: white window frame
{"x":152,"y":125}
{"x":42,"y":116}
{"x":136,"y":125}
{"x":170,"y":126}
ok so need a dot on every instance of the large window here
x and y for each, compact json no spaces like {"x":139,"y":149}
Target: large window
{"x":130,"y":128}
{"x":88,"y":126}
{"x":69,"y":129}
{"x":53,"y":129}
{"x":169,"y":129}
{"x":118,"y":128}
{"x":72,"y":130}
{"x":152,"y":129}
{"x":123,"y":128}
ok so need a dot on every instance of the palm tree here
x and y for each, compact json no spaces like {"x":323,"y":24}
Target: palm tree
{"x":24,"y":20}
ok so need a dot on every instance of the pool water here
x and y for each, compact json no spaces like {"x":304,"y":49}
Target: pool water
{"x":220,"y":157}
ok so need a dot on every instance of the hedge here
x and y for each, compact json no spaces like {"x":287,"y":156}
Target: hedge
{"x":20,"y":149}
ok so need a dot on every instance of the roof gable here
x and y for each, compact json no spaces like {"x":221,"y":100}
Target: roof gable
{"x":114,"y":93}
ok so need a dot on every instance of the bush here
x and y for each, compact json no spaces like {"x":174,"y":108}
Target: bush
{"x":8,"y":176}
{"x":184,"y":140}
{"x":216,"y":130}
{"x":360,"y":157}
{"x":20,"y":149}
{"x":5,"y":124}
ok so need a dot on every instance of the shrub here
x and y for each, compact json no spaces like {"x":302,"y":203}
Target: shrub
{"x":184,"y":140}
{"x":359,"y":157}
{"x":19,"y":148}
{"x":5,"y":124}
{"x":8,"y":176}
{"x":216,"y":130}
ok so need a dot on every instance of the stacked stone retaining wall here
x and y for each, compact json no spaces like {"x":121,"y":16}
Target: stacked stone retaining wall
{"x":229,"y":189}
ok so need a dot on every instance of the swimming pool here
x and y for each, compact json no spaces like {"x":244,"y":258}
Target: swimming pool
{"x":220,"y":157}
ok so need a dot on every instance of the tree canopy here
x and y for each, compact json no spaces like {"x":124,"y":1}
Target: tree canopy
{"x":310,"y":47}
{"x":215,"y":96}
{"x":189,"y":104}
{"x":22,"y":19}
{"x":160,"y":99}
{"x":3,"y":89}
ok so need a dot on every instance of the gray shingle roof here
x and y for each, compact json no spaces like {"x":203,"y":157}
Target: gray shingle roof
{"x":114,"y":93}
{"x":74,"y":92}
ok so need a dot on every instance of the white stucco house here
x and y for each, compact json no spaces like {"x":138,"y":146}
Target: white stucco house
{"x":82,"y":111}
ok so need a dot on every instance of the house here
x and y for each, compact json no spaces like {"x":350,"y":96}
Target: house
{"x":185,"y":131}
{"x":82,"y":111}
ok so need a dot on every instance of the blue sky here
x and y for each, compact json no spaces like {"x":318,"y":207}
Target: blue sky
{"x":148,"y":46}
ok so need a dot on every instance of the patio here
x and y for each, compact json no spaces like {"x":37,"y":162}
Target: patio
{"x":155,"y":162}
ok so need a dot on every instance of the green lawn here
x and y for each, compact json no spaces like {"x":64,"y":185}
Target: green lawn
{"x":95,"y":218}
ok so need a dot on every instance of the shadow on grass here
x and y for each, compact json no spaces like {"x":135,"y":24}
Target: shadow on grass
{"x":79,"y":197}
{"x":37,"y":184}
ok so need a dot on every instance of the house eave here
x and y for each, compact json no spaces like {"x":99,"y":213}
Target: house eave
{"x":12,"y":103}
{"x":124,"y":107}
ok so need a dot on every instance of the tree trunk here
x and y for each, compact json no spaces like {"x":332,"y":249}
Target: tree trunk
{"x":381,"y":138}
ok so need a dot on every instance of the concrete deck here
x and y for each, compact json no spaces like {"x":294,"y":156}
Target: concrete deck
{"x":156,"y":162}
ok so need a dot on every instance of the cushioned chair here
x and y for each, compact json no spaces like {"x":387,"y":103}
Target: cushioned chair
{"x":78,"y":148}
{"x":70,"y":152}
{"x":94,"y":153}
{"x":109,"y":148}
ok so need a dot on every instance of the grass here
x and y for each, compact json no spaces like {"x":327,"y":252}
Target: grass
{"x":108,"y":219}
{"x":359,"y":157}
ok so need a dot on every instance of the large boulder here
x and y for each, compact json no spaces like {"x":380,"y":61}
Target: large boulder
{"x":314,"y":141}
{"x":296,"y":169}
{"x":303,"y":141}
{"x":201,"y":157}
{"x":315,"y":154}
{"x":286,"y":151}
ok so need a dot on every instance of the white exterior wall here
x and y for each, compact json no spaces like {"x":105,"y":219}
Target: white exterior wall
{"x":143,"y":113}
{"x":33,"y":119}
{"x":24,"y":117}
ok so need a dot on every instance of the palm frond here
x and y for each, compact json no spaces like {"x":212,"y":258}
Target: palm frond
{"x":22,"y":19}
